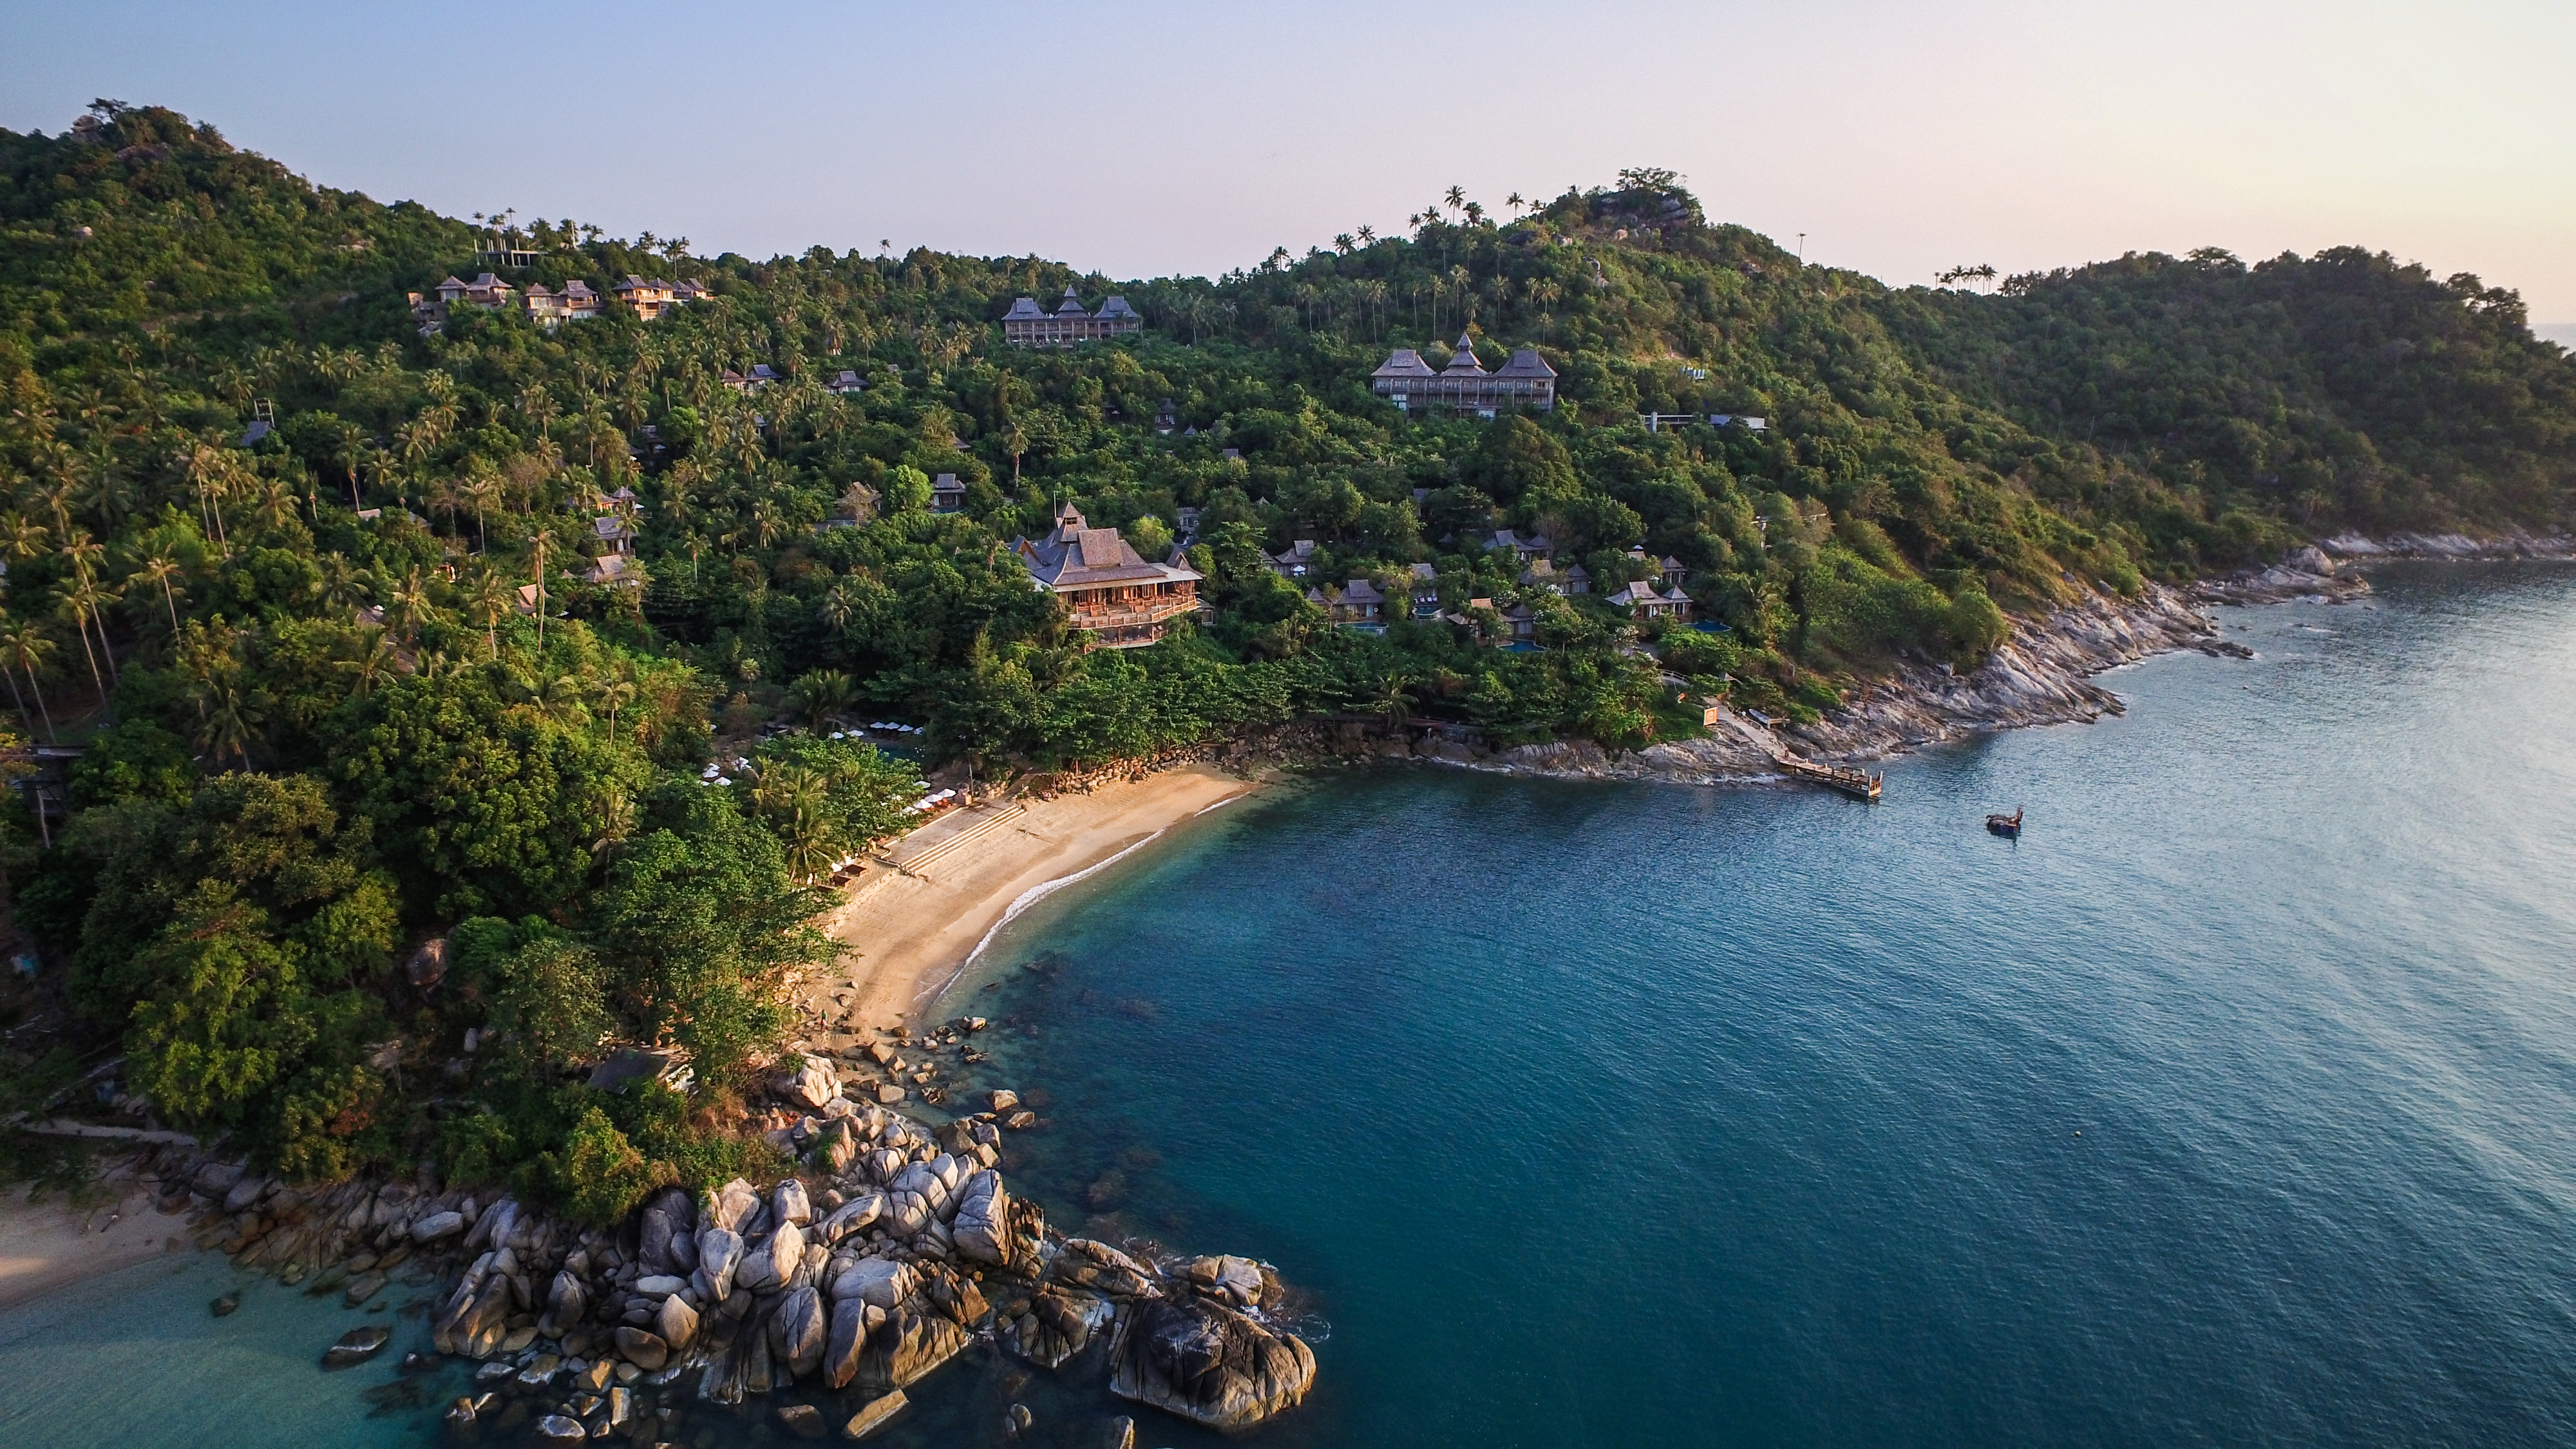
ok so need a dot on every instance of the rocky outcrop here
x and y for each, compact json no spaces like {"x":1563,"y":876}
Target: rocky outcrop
{"x":1209,"y":1363}
{"x":1054,"y":1325}
{"x":357,"y":1346}
{"x":2512,"y":543}
{"x":2305,"y":573}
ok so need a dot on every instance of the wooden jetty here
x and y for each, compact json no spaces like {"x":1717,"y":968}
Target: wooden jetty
{"x":1858,"y":784}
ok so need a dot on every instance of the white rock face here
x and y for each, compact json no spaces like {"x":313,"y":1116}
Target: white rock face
{"x":881,"y":1282}
{"x":982,"y":1225}
{"x":719,"y":1256}
{"x":852,"y":1216}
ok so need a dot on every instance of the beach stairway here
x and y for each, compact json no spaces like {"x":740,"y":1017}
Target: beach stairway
{"x":962,"y":831}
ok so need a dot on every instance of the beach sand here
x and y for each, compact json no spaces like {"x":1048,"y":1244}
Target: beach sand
{"x":44,"y":1245}
{"x":909,"y":930}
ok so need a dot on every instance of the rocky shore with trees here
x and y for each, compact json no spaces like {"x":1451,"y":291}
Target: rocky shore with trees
{"x":816,"y":1300}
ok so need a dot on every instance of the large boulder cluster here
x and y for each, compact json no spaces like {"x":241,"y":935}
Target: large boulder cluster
{"x":900,"y":1249}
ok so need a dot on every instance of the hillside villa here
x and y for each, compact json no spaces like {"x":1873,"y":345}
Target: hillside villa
{"x":1104,"y":586}
{"x":1464,"y":386}
{"x":1029,"y":325}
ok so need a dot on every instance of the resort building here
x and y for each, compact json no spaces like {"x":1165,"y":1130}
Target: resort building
{"x":1029,"y":325}
{"x":651,"y":297}
{"x":947,"y":495}
{"x":1358,"y":604}
{"x":1534,"y":547}
{"x":1426,"y":592}
{"x":1296,"y":562}
{"x":575,"y":302}
{"x":1464,"y":386}
{"x":1542,"y":574}
{"x":1642,"y":601}
{"x":1105,"y":586}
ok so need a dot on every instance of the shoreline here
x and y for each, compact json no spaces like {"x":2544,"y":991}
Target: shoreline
{"x":52,"y":1243}
{"x":914,"y":928}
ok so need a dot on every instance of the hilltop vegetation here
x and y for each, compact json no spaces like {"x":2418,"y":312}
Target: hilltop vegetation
{"x":315,"y":738}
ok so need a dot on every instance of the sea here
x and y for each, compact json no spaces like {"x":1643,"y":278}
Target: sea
{"x":2233,"y":1103}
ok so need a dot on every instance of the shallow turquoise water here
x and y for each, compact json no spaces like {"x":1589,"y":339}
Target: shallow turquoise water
{"x":2231,"y":1105}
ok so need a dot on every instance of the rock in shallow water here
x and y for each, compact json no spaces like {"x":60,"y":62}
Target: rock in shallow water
{"x":873,"y":1417}
{"x":357,"y":1346}
{"x":803,"y":1420}
{"x":223,"y":1307}
{"x":1210,"y":1363}
{"x":560,"y":1432}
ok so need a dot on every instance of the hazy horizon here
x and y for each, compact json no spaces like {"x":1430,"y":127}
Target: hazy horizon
{"x":1145,"y":139}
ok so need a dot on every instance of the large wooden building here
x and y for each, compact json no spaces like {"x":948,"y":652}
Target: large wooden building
{"x":1029,"y":325}
{"x":1464,"y":386}
{"x":1105,"y":586}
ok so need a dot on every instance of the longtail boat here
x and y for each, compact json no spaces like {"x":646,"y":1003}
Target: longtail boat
{"x":2006,"y":825}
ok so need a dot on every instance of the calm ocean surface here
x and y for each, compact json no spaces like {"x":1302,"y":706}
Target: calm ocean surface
{"x":2235,"y":1103}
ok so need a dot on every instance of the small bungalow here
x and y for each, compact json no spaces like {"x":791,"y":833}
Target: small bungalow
{"x":573,"y":304}
{"x":1533,"y":547}
{"x":1166,"y":418}
{"x":1296,"y":562}
{"x":1542,"y":574}
{"x":1642,"y":601}
{"x":616,"y":530}
{"x":651,"y":297}
{"x":847,"y":383}
{"x":1359,"y":604}
{"x":947,"y":495}
{"x":617,"y":571}
{"x":1426,"y":592}
{"x":1520,"y":623}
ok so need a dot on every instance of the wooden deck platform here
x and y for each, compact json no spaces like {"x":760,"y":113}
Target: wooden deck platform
{"x":1858,"y":784}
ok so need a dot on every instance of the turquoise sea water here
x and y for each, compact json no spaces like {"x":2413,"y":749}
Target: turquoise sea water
{"x":2230,"y":1105}
{"x":2234,"y":1104}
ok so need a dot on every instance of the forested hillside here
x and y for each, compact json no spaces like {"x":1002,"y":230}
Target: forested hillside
{"x":267,"y":545}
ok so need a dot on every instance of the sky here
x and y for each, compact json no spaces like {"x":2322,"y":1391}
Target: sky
{"x":1141,"y":139}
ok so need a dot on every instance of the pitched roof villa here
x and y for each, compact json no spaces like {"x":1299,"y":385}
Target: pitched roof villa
{"x":1105,"y":585}
{"x":1526,"y":381}
{"x":1029,"y":325}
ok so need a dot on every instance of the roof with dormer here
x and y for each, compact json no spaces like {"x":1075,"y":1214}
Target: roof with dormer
{"x":1464,"y":363}
{"x":1076,"y":555}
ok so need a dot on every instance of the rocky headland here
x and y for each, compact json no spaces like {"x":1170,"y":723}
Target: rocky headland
{"x":2041,"y":674}
{"x":819,"y":1299}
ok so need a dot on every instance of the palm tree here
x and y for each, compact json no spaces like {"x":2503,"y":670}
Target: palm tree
{"x":231,"y":718}
{"x":821,"y":694}
{"x":160,"y":569}
{"x":489,"y":601}
{"x":1457,"y":198}
{"x":1368,"y":234}
{"x":77,"y":600}
{"x":378,"y":659}
{"x":24,"y":648}
{"x":21,"y":537}
{"x":481,"y":490}
{"x":411,"y":605}
{"x":537,"y":575}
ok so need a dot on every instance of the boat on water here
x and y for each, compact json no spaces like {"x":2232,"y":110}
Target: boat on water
{"x":2006,"y":825}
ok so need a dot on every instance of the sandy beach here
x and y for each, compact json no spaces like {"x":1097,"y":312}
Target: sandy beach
{"x":910,"y":929}
{"x":44,"y":1245}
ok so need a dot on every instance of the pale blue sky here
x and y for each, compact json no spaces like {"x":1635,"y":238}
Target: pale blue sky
{"x":1143,"y":138}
